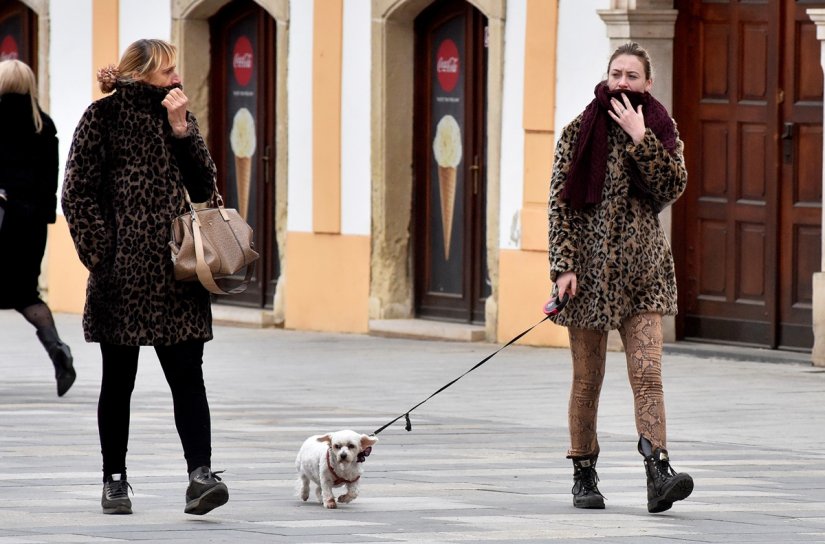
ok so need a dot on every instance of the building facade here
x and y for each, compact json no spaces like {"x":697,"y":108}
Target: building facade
{"x":393,"y":156}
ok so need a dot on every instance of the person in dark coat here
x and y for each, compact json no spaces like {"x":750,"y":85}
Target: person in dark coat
{"x":616,"y":166}
{"x":132,"y":154}
{"x":28,"y":187}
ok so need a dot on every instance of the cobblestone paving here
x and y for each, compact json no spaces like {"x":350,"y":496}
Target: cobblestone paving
{"x":485,"y":460}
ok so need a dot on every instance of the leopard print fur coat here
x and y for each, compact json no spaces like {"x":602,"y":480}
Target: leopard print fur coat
{"x":123,"y":186}
{"x":617,"y":248}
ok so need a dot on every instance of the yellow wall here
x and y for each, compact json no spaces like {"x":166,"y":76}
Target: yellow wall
{"x":66,"y":276}
{"x":523,"y":297}
{"x":327,"y":282}
{"x":524,"y":283}
{"x":326,"y":115}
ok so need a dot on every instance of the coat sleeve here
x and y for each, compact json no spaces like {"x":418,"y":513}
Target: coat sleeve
{"x":664,"y":174}
{"x":195,"y":162}
{"x":561,"y":217}
{"x":92,"y":234}
{"x":48,"y":168}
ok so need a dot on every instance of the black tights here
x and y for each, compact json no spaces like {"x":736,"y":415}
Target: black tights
{"x":39,"y":315}
{"x":182,"y":366}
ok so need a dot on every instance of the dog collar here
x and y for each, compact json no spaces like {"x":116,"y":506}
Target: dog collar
{"x":338,"y":479}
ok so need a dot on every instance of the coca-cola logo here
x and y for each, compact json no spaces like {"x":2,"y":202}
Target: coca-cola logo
{"x":447,"y":65}
{"x":242,"y":61}
{"x":9,"y":49}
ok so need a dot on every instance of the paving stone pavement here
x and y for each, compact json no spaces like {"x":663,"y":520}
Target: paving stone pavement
{"x":485,"y":460}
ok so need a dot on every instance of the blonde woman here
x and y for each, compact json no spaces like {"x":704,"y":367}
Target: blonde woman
{"x":28,"y":181}
{"x":131,"y":156}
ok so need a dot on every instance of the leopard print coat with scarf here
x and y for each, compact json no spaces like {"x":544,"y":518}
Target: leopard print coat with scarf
{"x":123,"y":186}
{"x":617,"y":248}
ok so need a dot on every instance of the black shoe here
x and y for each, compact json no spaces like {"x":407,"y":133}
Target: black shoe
{"x":586,"y":494}
{"x":61,"y":356}
{"x":664,"y":485}
{"x":115,"y":499}
{"x":205,"y":492}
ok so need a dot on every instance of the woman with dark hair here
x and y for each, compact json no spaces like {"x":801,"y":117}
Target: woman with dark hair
{"x":28,"y":187}
{"x":132,"y":155}
{"x":617,"y":165}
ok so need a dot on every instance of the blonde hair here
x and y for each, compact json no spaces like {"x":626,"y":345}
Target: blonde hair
{"x":16,"y":77}
{"x":140,"y":59}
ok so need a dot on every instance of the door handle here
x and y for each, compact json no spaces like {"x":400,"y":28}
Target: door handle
{"x":265,"y":158}
{"x":787,"y":142}
{"x":475,"y":169}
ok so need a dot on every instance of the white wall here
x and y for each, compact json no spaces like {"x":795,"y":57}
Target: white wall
{"x":142,"y":19}
{"x":70,"y":77}
{"x":581,"y":57}
{"x":299,"y":104}
{"x":512,"y":126}
{"x":355,"y":119}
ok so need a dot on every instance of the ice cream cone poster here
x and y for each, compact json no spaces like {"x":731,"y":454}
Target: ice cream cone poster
{"x":243,"y":142}
{"x":241,"y":118}
{"x":447,"y":151}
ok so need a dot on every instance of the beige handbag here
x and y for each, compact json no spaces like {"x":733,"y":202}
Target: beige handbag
{"x":212,"y":243}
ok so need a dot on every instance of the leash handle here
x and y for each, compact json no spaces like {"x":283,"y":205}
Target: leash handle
{"x":406,"y":415}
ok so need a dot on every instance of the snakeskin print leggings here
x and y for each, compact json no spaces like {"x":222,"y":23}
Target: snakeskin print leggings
{"x":642,"y":339}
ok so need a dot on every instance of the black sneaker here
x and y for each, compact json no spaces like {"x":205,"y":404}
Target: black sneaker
{"x":205,"y":492}
{"x":115,"y":499}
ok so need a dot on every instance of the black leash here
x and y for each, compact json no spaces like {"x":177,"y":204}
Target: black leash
{"x":553,"y":306}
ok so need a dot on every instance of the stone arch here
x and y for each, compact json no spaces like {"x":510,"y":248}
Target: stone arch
{"x":190,"y":31}
{"x":393,"y":36}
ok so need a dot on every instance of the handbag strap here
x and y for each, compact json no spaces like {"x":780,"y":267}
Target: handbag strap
{"x":202,"y":269}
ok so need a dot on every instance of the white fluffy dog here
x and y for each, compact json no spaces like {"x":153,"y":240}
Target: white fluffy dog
{"x":332,"y":460}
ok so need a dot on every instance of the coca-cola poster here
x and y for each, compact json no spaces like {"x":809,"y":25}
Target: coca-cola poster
{"x":447,"y":160}
{"x":12,"y":45}
{"x":241,"y":120}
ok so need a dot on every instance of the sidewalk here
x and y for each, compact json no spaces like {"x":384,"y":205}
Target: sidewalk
{"x":485,"y":460}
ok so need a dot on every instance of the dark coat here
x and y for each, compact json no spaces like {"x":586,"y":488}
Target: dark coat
{"x":28,"y":174}
{"x":123,"y":186}
{"x":617,"y":248}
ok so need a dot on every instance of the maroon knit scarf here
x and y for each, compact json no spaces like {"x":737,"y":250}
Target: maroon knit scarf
{"x":585,"y":179}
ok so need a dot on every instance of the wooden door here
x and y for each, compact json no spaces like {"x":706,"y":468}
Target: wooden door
{"x":800,"y":181}
{"x":450,"y":166}
{"x":242,"y":132}
{"x":18,"y":33}
{"x":747,"y":232}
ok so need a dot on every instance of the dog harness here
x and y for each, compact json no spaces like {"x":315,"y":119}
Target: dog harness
{"x":338,"y":480}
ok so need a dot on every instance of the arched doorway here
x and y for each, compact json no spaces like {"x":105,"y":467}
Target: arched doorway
{"x":449,"y":140}
{"x":393,"y":255}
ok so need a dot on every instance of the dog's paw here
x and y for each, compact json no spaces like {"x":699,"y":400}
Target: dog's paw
{"x":346,"y":498}
{"x":330,"y":503}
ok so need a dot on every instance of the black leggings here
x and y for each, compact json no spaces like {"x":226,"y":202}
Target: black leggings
{"x":182,"y":365}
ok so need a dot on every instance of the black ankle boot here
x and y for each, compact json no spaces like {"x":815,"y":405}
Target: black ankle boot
{"x":585,"y":492}
{"x":664,"y":485}
{"x":61,"y":358}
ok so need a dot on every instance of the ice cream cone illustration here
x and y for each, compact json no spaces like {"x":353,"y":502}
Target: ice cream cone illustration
{"x":242,"y":140}
{"x":447,"y":151}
